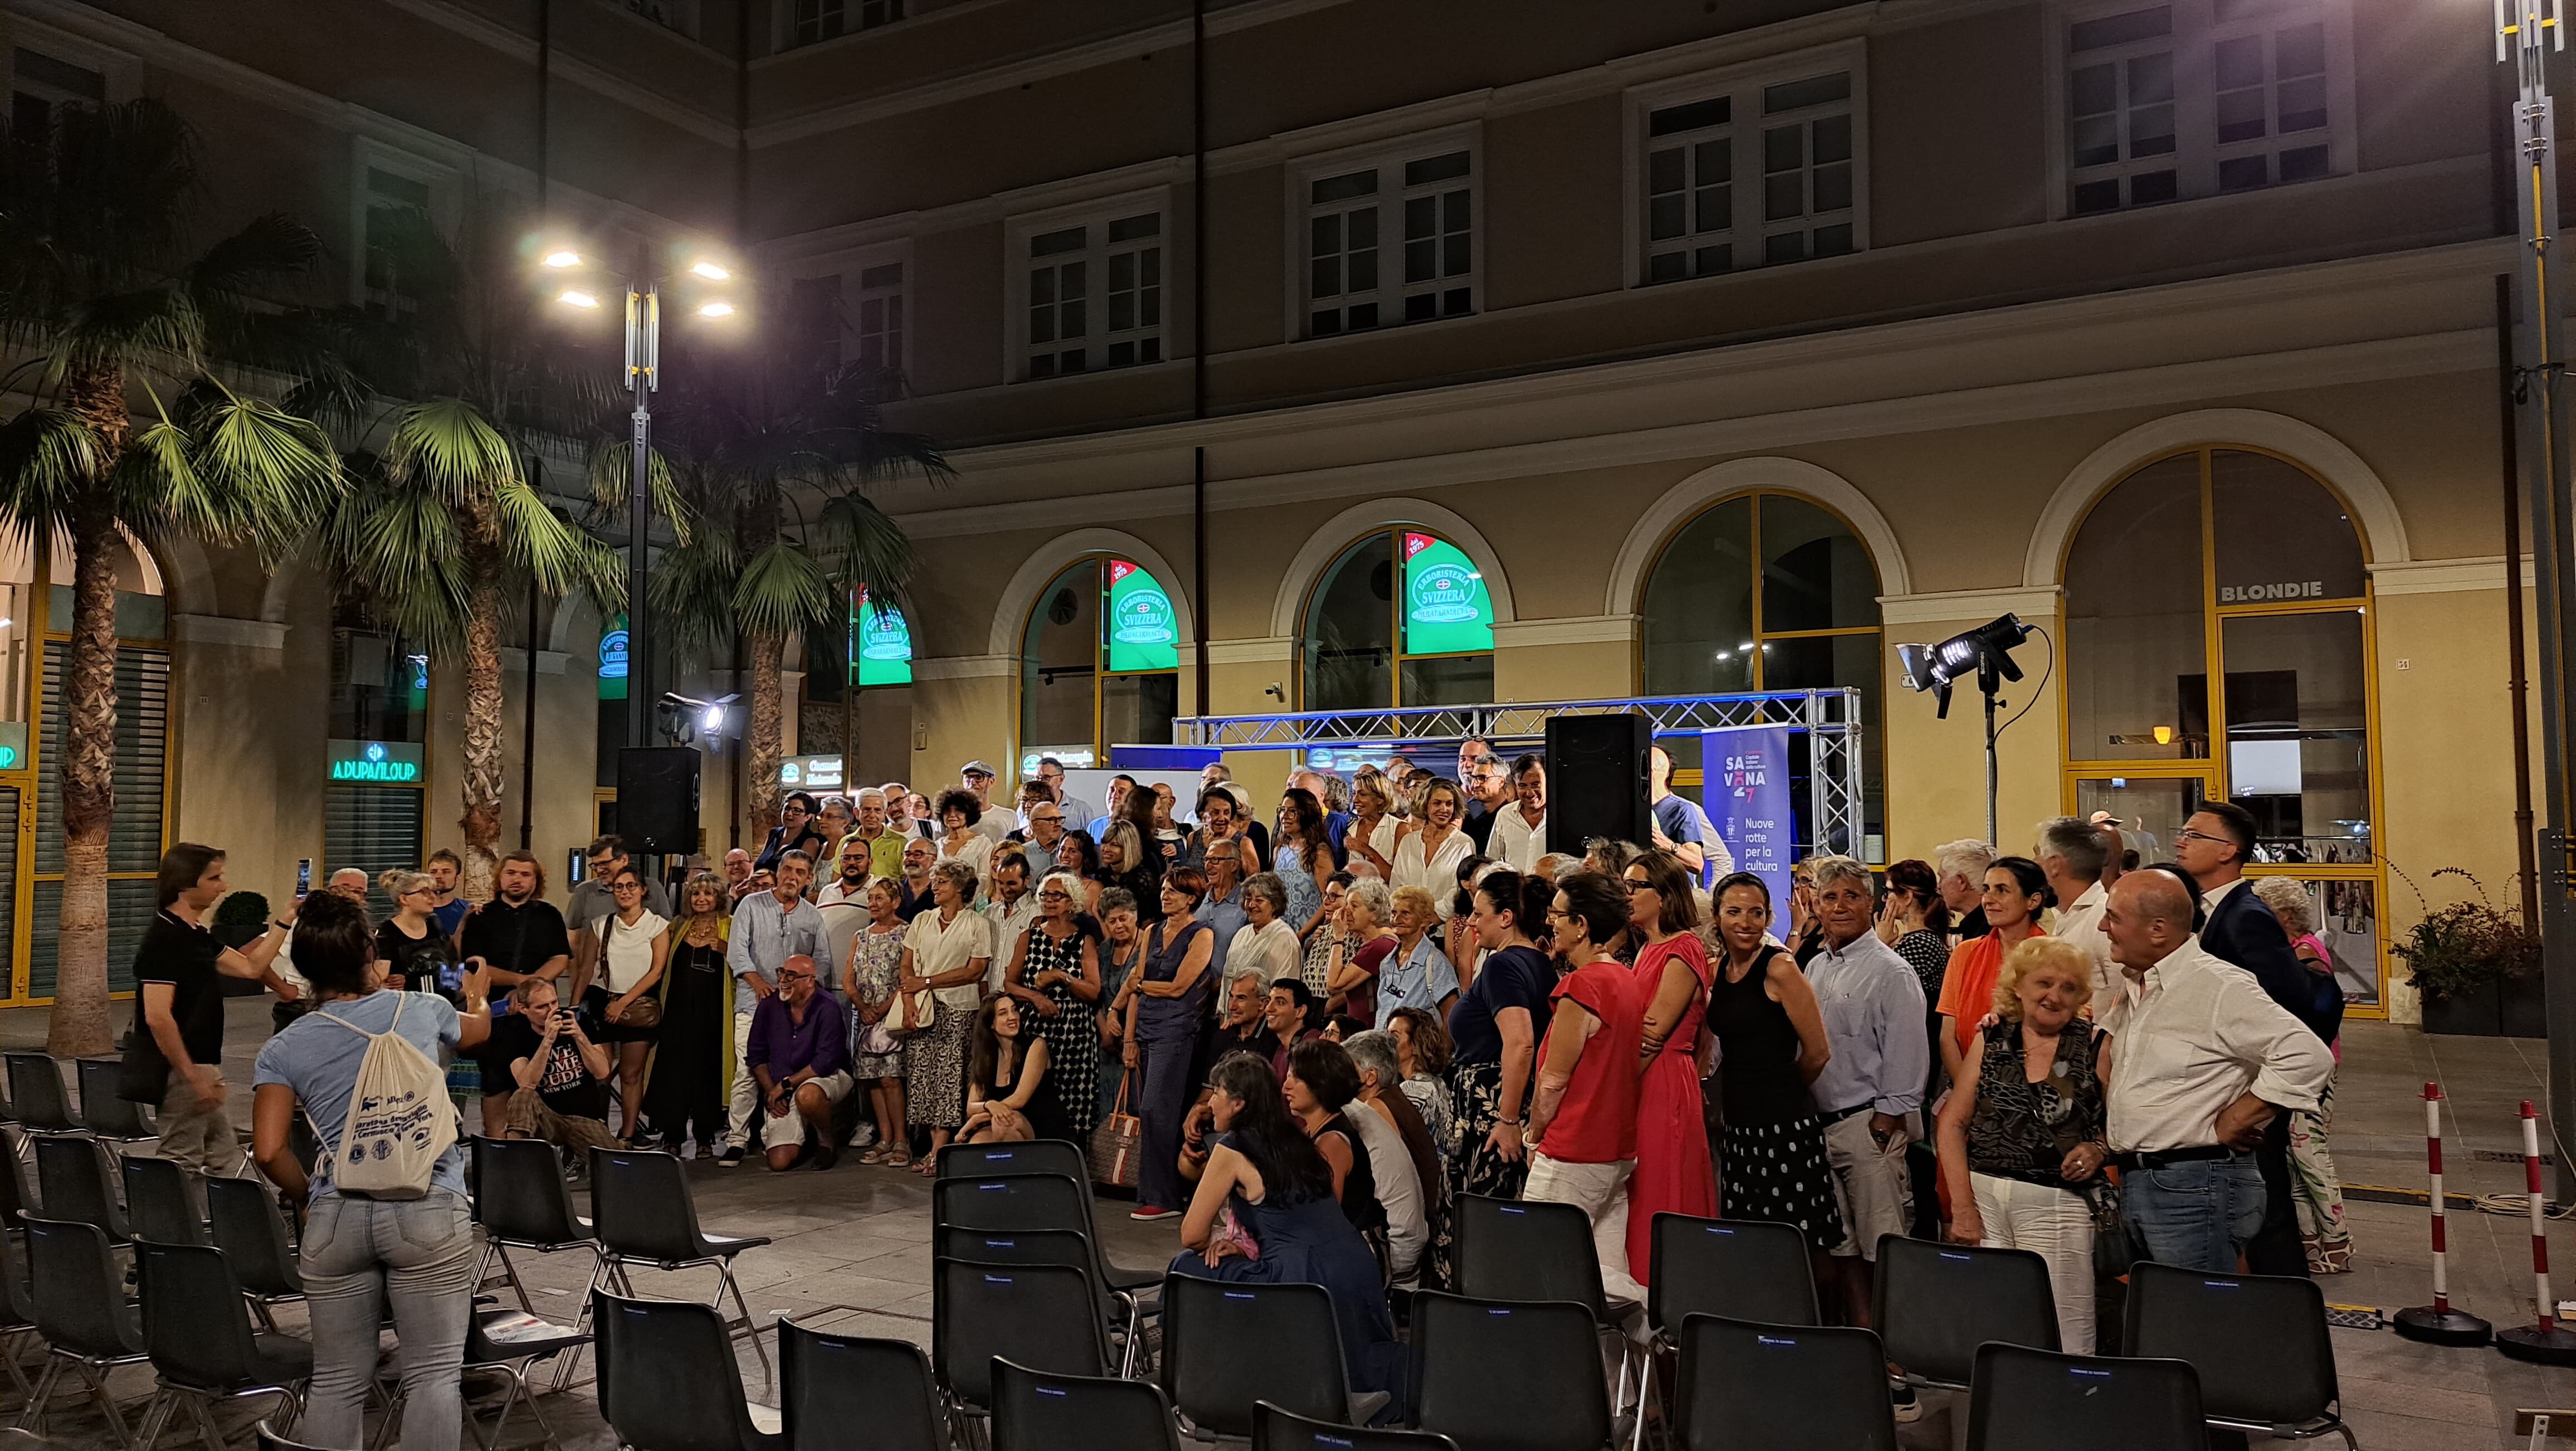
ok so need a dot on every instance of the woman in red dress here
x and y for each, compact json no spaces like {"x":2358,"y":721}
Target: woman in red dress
{"x":1672,"y":979}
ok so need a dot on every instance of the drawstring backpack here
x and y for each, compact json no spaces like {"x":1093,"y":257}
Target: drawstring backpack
{"x":400,"y":1118}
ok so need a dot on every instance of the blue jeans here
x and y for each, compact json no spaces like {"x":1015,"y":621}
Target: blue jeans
{"x":2196,"y":1215}
{"x":419,"y":1255}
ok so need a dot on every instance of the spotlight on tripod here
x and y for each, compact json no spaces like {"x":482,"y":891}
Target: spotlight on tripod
{"x":1986,"y":650}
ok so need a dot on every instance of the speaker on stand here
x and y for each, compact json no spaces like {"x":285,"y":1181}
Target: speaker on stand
{"x":1596,"y":780}
{"x":657,"y":799}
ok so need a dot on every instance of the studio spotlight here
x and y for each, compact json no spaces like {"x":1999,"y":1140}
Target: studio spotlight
{"x":1985,"y":651}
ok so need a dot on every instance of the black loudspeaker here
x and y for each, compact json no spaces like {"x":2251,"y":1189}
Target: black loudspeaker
{"x":1596,"y":780}
{"x":657,"y":799}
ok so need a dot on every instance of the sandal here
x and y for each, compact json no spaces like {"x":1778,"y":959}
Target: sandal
{"x":896,"y":1159}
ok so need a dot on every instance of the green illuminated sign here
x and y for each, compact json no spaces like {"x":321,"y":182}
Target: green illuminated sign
{"x":1446,"y":609}
{"x":383,"y":763}
{"x":884,"y":644}
{"x":612,"y":660}
{"x":13,"y":745}
{"x":1144,"y":634}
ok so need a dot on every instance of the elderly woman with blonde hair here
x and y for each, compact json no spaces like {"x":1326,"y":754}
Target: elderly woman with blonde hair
{"x":2314,"y":1184}
{"x":2021,"y":1136}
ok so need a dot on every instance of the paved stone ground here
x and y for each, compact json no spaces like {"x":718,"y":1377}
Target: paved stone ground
{"x":852,"y":1249}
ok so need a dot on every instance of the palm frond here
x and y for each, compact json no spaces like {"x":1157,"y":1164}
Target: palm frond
{"x":47,"y":456}
{"x":545,"y":545}
{"x":863,"y":548}
{"x":782,"y":590}
{"x":152,"y":329}
{"x":450,"y":448}
{"x":612,"y":482}
{"x":409,"y":551}
{"x":692,"y":589}
{"x":278,"y":473}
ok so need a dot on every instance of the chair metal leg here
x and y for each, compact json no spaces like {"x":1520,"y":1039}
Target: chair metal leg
{"x":32,"y":1418}
{"x":581,"y":1319}
{"x":724,"y":1272}
{"x":156,"y":1415}
{"x":392,"y":1422}
{"x":96,"y":1379}
{"x":207,"y":1431}
{"x":10,"y":1347}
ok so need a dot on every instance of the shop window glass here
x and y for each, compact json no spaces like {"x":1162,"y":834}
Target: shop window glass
{"x":2135,"y":632}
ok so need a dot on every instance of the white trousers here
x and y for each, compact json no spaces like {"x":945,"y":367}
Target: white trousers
{"x":2057,"y":1225}
{"x":1601,"y":1192}
{"x":746,"y":1094}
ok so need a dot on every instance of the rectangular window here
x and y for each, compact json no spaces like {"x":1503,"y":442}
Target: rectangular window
{"x":814,"y":324}
{"x":1419,"y":208}
{"x":1749,"y":173}
{"x":41,"y":84}
{"x":877,"y":317}
{"x":820,"y":20}
{"x":399,"y":234}
{"x":2199,"y":97}
{"x":1095,"y":296}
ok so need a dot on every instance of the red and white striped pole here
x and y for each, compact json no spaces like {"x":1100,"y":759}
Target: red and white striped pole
{"x":2545,"y":1341}
{"x":2438,"y":1323}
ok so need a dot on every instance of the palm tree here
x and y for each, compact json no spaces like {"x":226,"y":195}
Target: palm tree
{"x":446,"y":524}
{"x":98,"y":289}
{"x":776,"y":472}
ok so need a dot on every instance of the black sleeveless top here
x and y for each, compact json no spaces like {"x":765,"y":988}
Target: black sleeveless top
{"x":1758,"y":1071}
{"x":1359,"y":1187}
{"x":2023,"y":1130}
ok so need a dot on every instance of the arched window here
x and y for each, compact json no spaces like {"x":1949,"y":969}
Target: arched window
{"x":2218,"y":644}
{"x":1099,"y":662}
{"x":378,"y":753}
{"x":1768,"y":591}
{"x":1369,"y":643}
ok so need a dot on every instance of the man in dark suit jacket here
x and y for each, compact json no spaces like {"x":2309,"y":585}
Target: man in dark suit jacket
{"x":2214,"y":846}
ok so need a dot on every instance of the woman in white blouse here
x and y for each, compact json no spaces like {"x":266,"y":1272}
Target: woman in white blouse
{"x":1266,"y":941}
{"x":1428,"y":851}
{"x":945,"y":952}
{"x":631,"y":951}
{"x":1371,"y":836}
{"x":960,"y":841}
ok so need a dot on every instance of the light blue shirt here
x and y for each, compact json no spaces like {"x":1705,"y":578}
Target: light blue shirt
{"x":320,"y":1061}
{"x":1873,"y":1010}
{"x":1421,"y":978}
{"x":1227,"y":917}
{"x":764,"y":937}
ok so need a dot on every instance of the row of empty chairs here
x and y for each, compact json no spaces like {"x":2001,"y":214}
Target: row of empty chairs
{"x":38,"y":1104}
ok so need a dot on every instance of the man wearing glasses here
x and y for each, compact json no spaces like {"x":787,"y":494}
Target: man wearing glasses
{"x":592,"y":899}
{"x":1045,"y":828}
{"x":1051,"y":771}
{"x":768,"y":930}
{"x":800,"y":1056}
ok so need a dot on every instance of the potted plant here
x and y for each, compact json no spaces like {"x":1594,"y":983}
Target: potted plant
{"x":2466,"y":959}
{"x":238,"y":921}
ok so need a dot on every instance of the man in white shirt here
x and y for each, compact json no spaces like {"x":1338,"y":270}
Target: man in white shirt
{"x":843,"y":903}
{"x":2202,"y":1061}
{"x":2071,"y":852}
{"x":1872,"y":1085}
{"x":1520,"y":829}
{"x":977,"y":777}
{"x":1011,"y":910}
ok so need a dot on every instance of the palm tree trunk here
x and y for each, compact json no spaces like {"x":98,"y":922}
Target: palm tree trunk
{"x":768,"y":723}
{"x":79,"y":1024}
{"x":481,"y":822}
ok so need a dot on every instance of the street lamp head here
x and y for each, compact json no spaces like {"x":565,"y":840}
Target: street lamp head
{"x":716,"y":309}
{"x":710,"y":271}
{"x":563,"y":259}
{"x":575,"y":297}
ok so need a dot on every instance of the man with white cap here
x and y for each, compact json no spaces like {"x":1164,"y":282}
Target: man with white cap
{"x":996,"y":826}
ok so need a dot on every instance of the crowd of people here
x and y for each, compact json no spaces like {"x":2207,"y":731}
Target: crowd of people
{"x":1335,"y":1013}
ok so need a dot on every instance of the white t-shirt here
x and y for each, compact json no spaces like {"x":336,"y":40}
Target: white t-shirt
{"x":937,"y":949}
{"x":1273,"y":949}
{"x":845,"y":916}
{"x":1399,"y":1188}
{"x":626,"y":951}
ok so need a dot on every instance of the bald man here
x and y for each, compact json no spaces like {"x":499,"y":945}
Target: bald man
{"x":2202,"y":1061}
{"x":799,"y":1055}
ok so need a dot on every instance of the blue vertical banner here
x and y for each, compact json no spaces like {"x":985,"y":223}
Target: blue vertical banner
{"x":1745,"y":783}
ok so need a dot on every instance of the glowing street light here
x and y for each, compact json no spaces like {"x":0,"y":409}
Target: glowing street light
{"x":575,"y":297}
{"x":716,"y":309}
{"x":563,"y":259}
{"x":711,"y":272}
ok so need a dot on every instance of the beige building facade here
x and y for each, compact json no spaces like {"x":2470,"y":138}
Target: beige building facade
{"x":1728,"y":345}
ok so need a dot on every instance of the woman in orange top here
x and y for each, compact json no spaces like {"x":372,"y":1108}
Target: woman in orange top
{"x":2015,"y":890}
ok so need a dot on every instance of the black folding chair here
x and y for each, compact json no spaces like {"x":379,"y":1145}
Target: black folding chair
{"x":2024,"y":1398}
{"x":102,"y":1111}
{"x":1032,"y":1314}
{"x":1514,"y":1249}
{"x":77,"y":1299}
{"x":668,"y":1380}
{"x":1934,"y":1304}
{"x":270,"y":1440}
{"x":1048,"y":1201}
{"x":1276,"y":1430}
{"x":854,"y":1392}
{"x":2258,"y":1341}
{"x":1742,"y":1269}
{"x":17,"y":1312}
{"x":521,"y":1202}
{"x":36,"y":1097}
{"x":198,"y":1334}
{"x":14,"y":1194}
{"x":1029,"y":1156}
{"x":1744,"y":1386}
{"x":1517,"y":1373}
{"x":521,"y":1343}
{"x":251,"y":1231}
{"x":1037,"y":1410}
{"x":1296,"y":1361}
{"x":160,"y":1206}
{"x":74,"y":1182}
{"x":642,"y":1212}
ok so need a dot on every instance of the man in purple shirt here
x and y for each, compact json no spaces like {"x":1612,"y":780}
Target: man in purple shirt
{"x":799,"y":1057}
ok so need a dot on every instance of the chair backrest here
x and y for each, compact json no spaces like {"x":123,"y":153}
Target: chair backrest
{"x":252,"y":1234}
{"x":17,"y":1294}
{"x":75,"y":1290}
{"x":1067,"y":1247}
{"x":1510,"y":1249}
{"x":640,"y":1206}
{"x":667,"y":1377}
{"x":15,"y":1199}
{"x":195,"y":1324}
{"x":1037,"y":1410}
{"x":1743,"y":1269}
{"x":36,"y":1093}
{"x":1747,"y":1385}
{"x":102,"y":1110}
{"x":1936,"y":1303}
{"x":1030,"y":1156}
{"x":2258,"y":1341}
{"x":1042,"y":1316}
{"x":1226,"y":1346}
{"x":1276,"y":1430}
{"x":2023,"y":1397}
{"x":847,"y":1392}
{"x":1513,"y":1375}
{"x":519,"y":1193}
{"x":1012,"y":1201}
{"x":73,"y":1182}
{"x":159,"y":1204}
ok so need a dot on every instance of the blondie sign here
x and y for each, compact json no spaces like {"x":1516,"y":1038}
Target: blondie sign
{"x":1744,"y":786}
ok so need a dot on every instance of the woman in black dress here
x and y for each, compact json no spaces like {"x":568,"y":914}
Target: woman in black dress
{"x":684,"y":1087}
{"x":1771,"y":1038}
{"x":419,"y":958}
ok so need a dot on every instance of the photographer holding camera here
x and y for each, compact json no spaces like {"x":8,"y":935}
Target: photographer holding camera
{"x":559,"y":1076}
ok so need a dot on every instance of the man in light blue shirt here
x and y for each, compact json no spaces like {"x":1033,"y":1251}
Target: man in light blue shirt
{"x":1872,"y":1005}
{"x":768,"y":929}
{"x":1223,"y":909}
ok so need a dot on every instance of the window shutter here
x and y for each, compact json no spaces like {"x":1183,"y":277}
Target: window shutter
{"x":134,"y":840}
{"x":376,"y":828}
